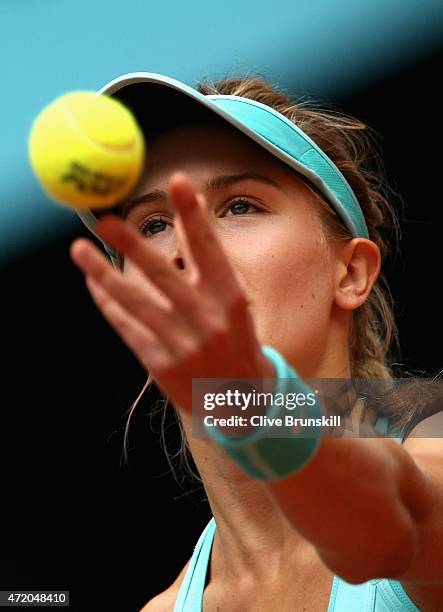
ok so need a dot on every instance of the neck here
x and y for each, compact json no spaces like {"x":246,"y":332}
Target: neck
{"x":253,"y":536}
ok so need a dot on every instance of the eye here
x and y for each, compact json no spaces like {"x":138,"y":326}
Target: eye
{"x":156,"y":225}
{"x":241,"y":204}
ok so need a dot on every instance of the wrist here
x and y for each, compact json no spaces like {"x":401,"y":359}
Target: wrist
{"x":269,"y":457}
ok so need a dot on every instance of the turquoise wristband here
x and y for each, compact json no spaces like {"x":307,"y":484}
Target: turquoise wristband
{"x":273,"y":458}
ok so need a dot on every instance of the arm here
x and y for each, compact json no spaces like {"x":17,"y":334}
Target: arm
{"x":371,"y":508}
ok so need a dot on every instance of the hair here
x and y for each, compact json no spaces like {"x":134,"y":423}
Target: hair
{"x":354,"y":148}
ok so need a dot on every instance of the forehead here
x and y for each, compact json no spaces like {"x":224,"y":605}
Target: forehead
{"x":213,"y":152}
{"x":210,"y":144}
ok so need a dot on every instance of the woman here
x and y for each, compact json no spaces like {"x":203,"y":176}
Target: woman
{"x":257,"y":259}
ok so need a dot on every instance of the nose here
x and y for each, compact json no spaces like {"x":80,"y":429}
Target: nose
{"x":179,"y":262}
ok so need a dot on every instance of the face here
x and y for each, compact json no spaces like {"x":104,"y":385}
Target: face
{"x":270,"y":232}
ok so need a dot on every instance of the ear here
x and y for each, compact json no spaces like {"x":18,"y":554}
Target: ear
{"x":358,"y":267}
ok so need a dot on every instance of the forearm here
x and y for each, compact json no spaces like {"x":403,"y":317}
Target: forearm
{"x":358,"y":501}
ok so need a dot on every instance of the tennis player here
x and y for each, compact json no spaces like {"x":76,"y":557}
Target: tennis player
{"x":252,"y":248}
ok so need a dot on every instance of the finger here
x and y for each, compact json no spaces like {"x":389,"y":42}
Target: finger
{"x":153,"y":264}
{"x":194,"y":274}
{"x":143,"y":343}
{"x":167,"y":323}
{"x":200,"y":238}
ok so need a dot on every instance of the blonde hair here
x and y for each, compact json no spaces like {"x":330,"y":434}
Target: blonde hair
{"x":354,"y":148}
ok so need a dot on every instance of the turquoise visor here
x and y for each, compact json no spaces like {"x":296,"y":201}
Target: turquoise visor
{"x":159,"y":102}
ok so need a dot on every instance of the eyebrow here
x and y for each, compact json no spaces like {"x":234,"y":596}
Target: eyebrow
{"x":212,"y":185}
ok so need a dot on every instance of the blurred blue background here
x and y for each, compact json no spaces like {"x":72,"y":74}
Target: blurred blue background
{"x":48,"y":47}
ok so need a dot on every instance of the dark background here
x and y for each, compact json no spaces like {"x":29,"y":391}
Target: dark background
{"x":73,"y":516}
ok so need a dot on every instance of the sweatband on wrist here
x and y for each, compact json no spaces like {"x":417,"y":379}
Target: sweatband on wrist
{"x":273,"y":458}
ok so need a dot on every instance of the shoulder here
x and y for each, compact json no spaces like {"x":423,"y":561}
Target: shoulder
{"x":424,"y":400}
{"x":429,"y":427}
{"x":164,"y":602}
{"x":424,"y":442}
{"x":425,"y":439}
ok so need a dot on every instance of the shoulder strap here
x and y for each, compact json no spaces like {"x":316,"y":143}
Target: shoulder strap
{"x":346,"y":597}
{"x":383,"y":425}
{"x":393,"y":595}
{"x":190,"y":594}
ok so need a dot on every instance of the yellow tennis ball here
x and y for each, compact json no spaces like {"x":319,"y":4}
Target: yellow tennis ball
{"x":86,"y":149}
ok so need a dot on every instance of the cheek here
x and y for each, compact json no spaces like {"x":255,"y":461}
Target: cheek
{"x":290,"y":286}
{"x":280,"y":268}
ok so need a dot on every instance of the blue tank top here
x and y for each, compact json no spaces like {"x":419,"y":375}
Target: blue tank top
{"x":376,"y":595}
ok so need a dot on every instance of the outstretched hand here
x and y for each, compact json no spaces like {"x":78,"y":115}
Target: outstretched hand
{"x":204,"y":328}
